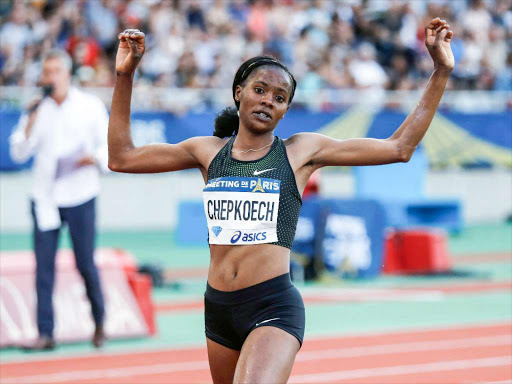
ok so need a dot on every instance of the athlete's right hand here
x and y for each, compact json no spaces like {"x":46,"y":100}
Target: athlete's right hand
{"x":131,"y":48}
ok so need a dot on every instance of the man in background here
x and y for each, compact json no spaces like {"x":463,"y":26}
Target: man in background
{"x":66,"y":132}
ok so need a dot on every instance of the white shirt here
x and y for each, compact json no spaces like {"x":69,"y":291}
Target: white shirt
{"x":61,"y":135}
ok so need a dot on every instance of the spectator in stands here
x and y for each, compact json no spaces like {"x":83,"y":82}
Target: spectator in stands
{"x":497,"y":49}
{"x":366,"y":71}
{"x":67,"y":134}
{"x":478,"y":18}
{"x":471,"y":60}
{"x":297,"y":31}
{"x":15,"y":36}
{"x":503,"y":81}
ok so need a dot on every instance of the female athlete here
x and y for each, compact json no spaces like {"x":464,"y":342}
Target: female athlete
{"x":254,"y":316}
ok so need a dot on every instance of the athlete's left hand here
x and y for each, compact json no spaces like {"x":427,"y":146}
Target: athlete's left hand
{"x":437,"y":39}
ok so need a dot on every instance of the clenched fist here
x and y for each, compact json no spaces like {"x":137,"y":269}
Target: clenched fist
{"x":437,"y":39}
{"x":131,"y":48}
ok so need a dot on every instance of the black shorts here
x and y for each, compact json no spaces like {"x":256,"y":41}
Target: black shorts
{"x":231,"y":316}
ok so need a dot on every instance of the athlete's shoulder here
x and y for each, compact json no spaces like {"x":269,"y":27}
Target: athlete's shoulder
{"x":300,"y":147}
{"x":208,"y":142}
{"x":302,"y":138}
{"x":205,"y":148}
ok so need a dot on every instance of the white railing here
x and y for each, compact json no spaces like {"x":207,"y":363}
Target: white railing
{"x":180,"y":100}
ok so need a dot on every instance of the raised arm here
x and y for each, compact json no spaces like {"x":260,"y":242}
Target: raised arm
{"x":322,"y":150}
{"x":123,"y":156}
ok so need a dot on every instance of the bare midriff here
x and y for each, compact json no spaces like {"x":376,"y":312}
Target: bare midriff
{"x":237,"y":267}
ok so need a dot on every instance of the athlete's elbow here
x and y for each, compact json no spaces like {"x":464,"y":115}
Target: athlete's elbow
{"x":116,"y":165}
{"x":113,"y":166}
{"x":405,"y":155}
{"x":117,"y":160}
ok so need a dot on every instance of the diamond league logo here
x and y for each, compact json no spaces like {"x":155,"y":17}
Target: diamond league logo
{"x":216,"y":230}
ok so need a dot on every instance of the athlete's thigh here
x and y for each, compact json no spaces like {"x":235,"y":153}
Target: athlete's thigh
{"x":267,"y":356}
{"x":222,"y":362}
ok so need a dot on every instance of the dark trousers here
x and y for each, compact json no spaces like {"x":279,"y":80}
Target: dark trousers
{"x":81,"y":221}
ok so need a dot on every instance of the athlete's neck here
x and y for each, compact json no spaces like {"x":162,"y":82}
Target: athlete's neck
{"x":248,"y":141}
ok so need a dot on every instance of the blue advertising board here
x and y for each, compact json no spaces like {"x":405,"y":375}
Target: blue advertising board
{"x":308,"y":227}
{"x":486,"y":133}
{"x":353,"y":233}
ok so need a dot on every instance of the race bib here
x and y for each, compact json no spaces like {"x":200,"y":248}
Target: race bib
{"x":242,"y":210}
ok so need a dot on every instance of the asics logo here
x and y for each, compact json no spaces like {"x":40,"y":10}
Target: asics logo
{"x":236,"y":237}
{"x":256,"y":173}
{"x":248,"y":237}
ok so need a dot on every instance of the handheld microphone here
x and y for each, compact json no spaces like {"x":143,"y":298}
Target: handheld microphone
{"x":46,"y":91}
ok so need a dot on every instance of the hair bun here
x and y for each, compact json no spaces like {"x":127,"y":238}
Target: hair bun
{"x":226,"y":123}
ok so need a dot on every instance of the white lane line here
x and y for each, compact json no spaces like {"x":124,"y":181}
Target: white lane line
{"x":404,"y":348}
{"x":43,"y":356}
{"x":376,"y":294}
{"x":140,"y":370}
{"x":403,"y":370}
{"x":302,"y":356}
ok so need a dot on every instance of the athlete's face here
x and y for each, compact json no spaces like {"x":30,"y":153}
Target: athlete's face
{"x":264,"y":98}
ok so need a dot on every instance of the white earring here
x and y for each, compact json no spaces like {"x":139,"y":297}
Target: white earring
{"x":238,"y":113}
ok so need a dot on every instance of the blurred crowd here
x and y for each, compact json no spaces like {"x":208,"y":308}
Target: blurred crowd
{"x":328,"y":44}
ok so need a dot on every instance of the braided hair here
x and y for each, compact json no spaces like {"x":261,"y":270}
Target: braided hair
{"x":227,"y":121}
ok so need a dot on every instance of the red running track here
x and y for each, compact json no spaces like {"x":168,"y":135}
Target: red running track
{"x":478,"y":354}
